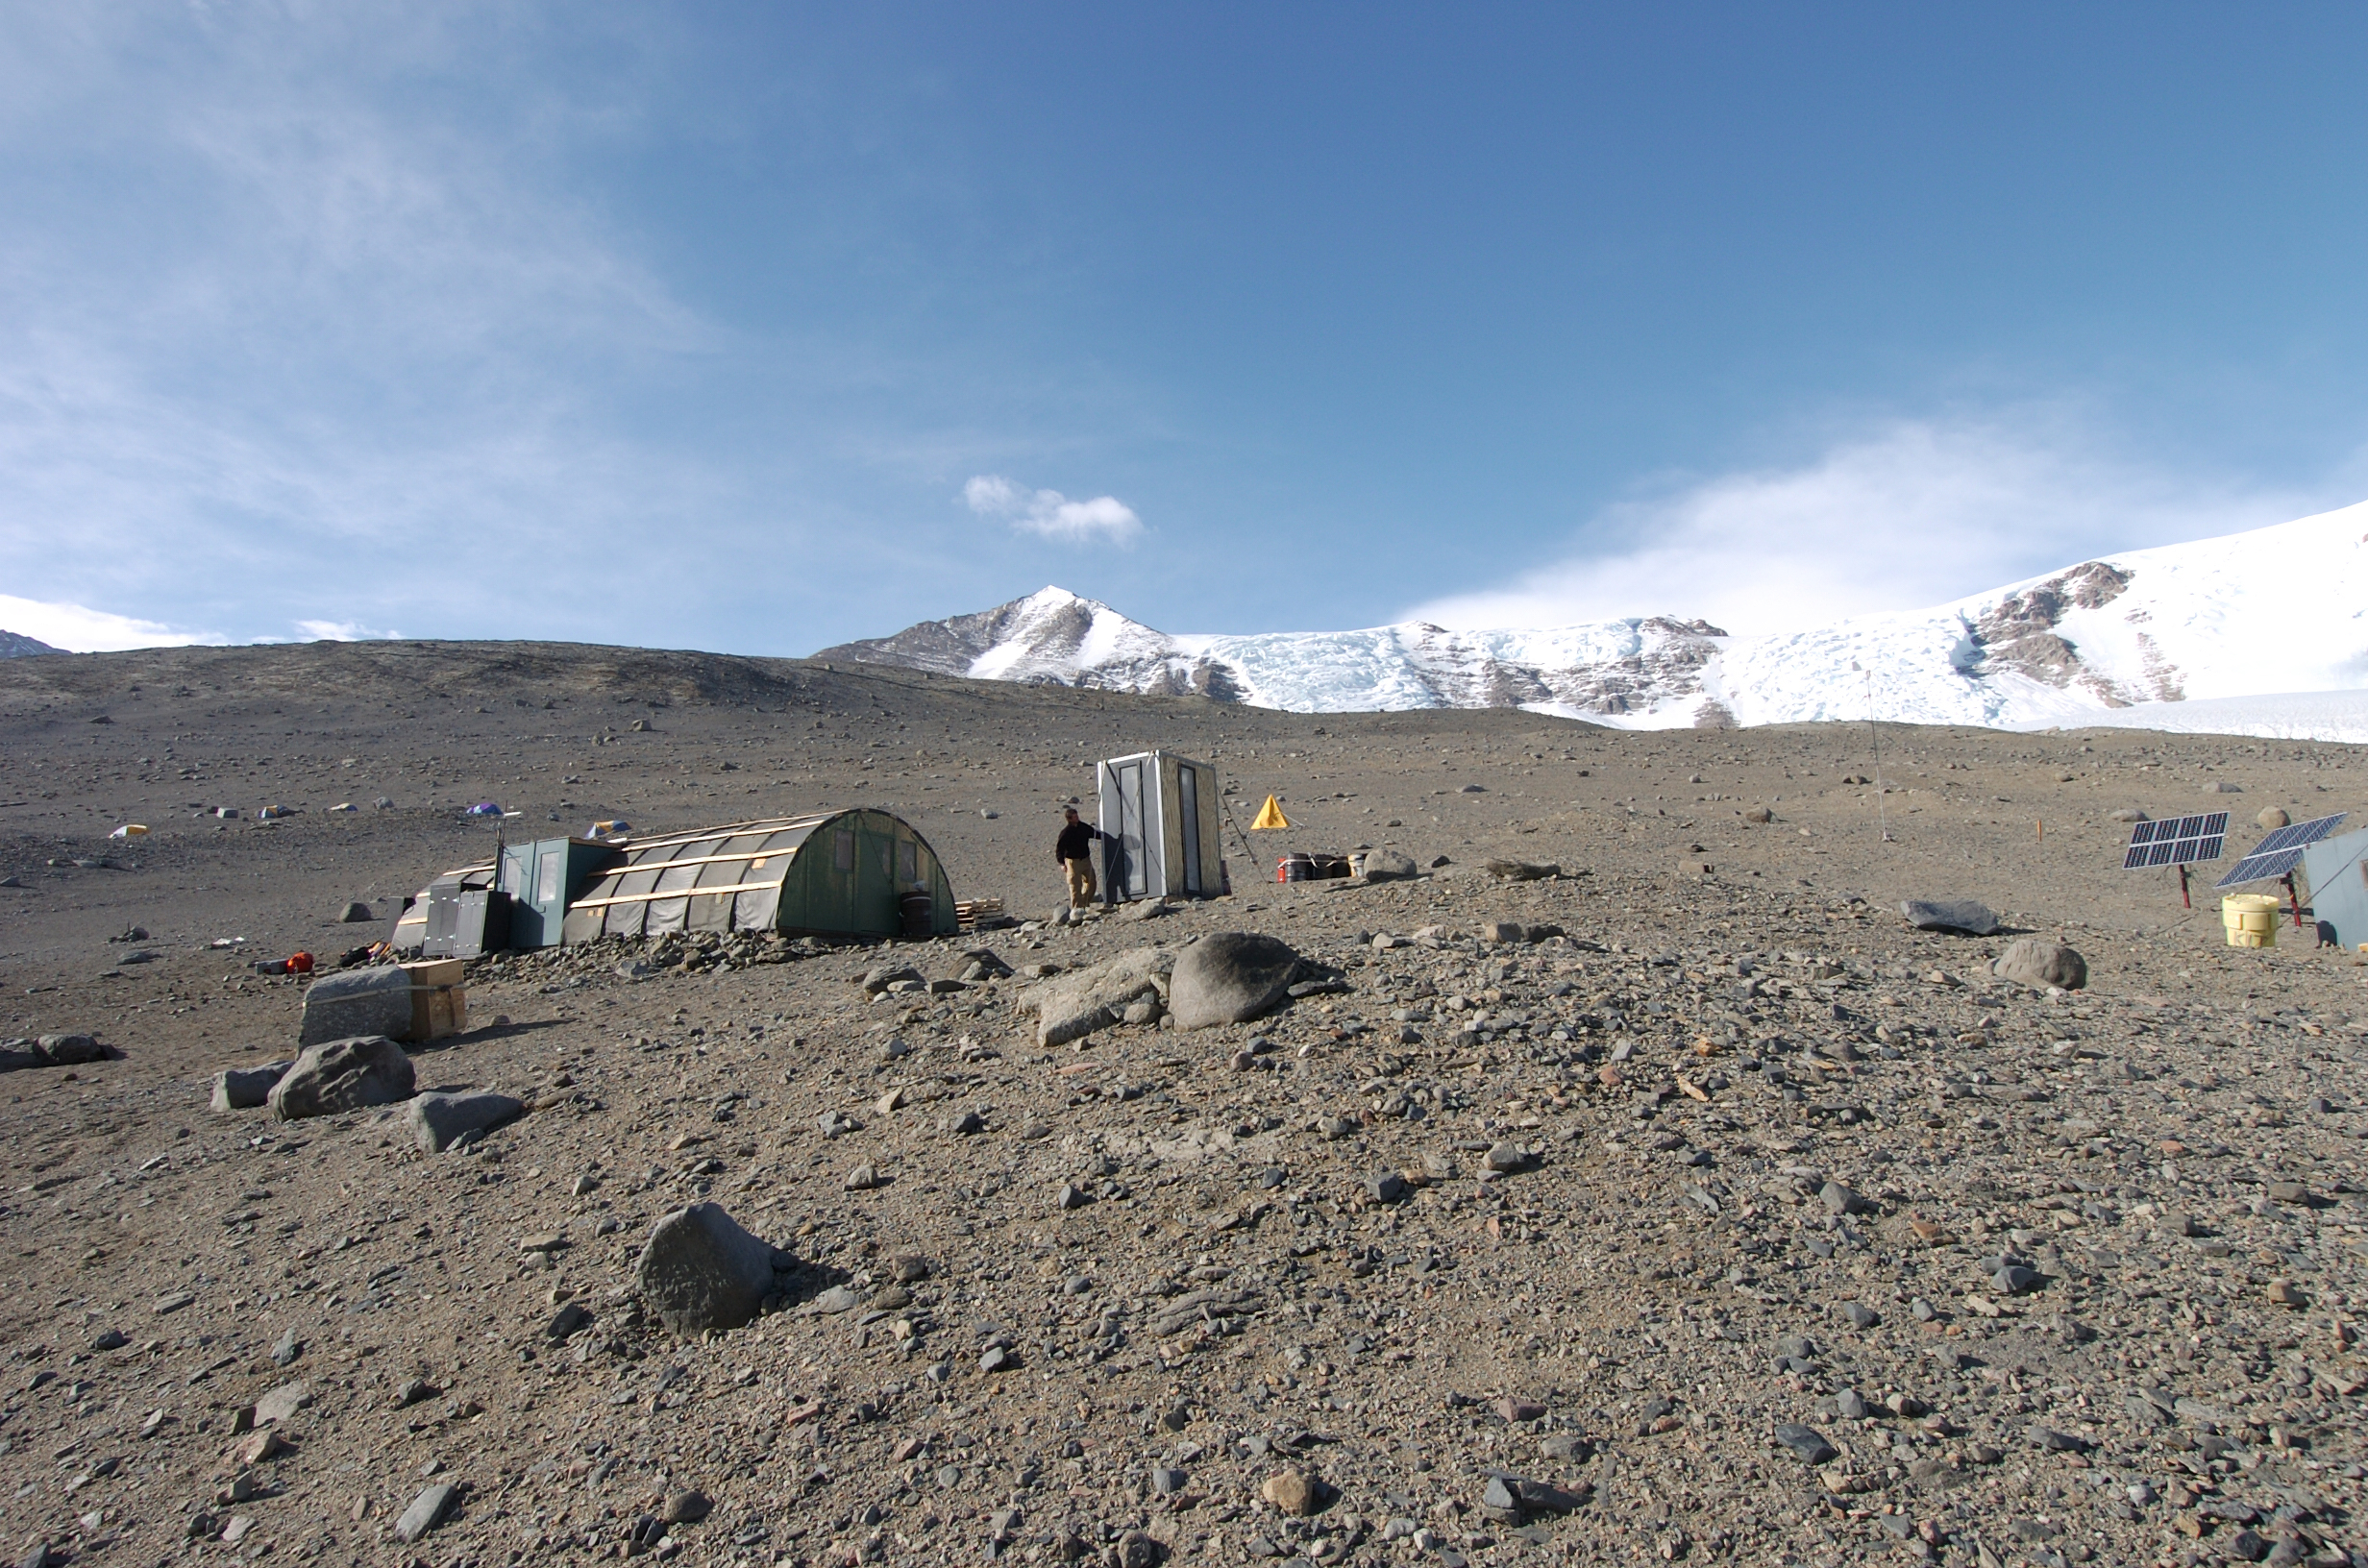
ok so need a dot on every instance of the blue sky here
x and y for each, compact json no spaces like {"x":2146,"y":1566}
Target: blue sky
{"x":759,"y":327}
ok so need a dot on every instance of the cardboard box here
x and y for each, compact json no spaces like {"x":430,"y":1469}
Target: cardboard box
{"x":436,"y":972}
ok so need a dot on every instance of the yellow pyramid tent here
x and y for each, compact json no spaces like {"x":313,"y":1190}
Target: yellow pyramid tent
{"x":1270,"y":814}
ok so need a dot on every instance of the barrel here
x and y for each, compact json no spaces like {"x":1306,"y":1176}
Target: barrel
{"x":1294,"y":869}
{"x":2249,"y":919}
{"x":920,"y":911}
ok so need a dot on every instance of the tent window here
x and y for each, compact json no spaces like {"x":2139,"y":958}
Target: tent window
{"x":843,"y":849}
{"x":908,"y":869}
{"x":547,"y":879}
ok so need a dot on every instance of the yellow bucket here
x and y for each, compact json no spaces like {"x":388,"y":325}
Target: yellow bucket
{"x":2250,"y":919}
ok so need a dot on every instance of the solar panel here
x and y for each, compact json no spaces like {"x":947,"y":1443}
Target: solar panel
{"x":2280,"y":852}
{"x":2177,"y":841}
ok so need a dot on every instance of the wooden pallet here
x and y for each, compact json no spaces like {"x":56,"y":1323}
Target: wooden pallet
{"x":969,"y":912}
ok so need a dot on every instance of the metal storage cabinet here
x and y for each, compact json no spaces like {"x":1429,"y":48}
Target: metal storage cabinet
{"x":1160,"y":811}
{"x":542,"y":877}
{"x":2336,"y":871}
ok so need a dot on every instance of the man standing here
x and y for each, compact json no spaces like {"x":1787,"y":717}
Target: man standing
{"x":1073,"y":852}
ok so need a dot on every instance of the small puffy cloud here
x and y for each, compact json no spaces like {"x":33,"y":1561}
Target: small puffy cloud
{"x":79,"y":629}
{"x":1050,"y":513}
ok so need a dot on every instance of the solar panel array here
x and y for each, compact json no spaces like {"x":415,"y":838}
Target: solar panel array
{"x":2280,"y":852}
{"x":2177,"y":841}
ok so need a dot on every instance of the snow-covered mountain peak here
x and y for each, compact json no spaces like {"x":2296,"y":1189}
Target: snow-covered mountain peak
{"x":2117,"y":638}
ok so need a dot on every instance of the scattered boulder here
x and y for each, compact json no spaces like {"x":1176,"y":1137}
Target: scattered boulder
{"x":71,"y":1050}
{"x":2126,"y":814}
{"x":1079,"y":1003}
{"x":1523,"y":870}
{"x":880,"y":978}
{"x":344,"y":1075}
{"x":1962,"y":915}
{"x":438,"y":1122}
{"x":2034,"y":962}
{"x":358,"y":1002}
{"x":247,"y":1088}
{"x":2224,"y":787}
{"x":19,"y":1054}
{"x":356,"y":913}
{"x":1230,"y":977}
{"x":701,"y":1271}
{"x":2271,"y":817}
{"x":1388,"y":866}
{"x":1759,"y":814}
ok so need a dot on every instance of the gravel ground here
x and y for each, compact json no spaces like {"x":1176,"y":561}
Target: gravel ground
{"x":1714,"y":1214}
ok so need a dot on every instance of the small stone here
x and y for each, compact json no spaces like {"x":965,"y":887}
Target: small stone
{"x":1513,"y":1409}
{"x":109,"y":1339}
{"x":1841,"y":1200}
{"x":1071,"y":1197}
{"x":247,"y":1088}
{"x":413,"y":1391}
{"x":2015,"y":1280}
{"x":861,"y":1179}
{"x":281,"y":1403}
{"x":439,"y":1121}
{"x":567,"y":1320}
{"x":2270,"y":816}
{"x":355,"y":914}
{"x":907,"y":1267}
{"x":2285,"y":1294}
{"x":1292,"y":1491}
{"x":426,"y":1512}
{"x":1861,"y":1316}
{"x":685,"y":1508}
{"x":839,"y":1298}
{"x":286,"y":1348}
{"x":1850,"y":1405}
{"x":261,"y":1446}
{"x":965,"y":1125}
{"x":1805,"y":1442}
{"x":1506,"y":1158}
{"x":1388,"y":1186}
{"x":2056,"y":1442}
{"x":2291,"y":1192}
{"x":1167,"y":1481}
{"x":997,"y":1359}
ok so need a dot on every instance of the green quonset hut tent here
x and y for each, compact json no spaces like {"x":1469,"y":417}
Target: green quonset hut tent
{"x":832,"y":874}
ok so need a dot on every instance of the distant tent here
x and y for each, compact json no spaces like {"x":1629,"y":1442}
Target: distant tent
{"x":1270,"y":814}
{"x":831,"y":874}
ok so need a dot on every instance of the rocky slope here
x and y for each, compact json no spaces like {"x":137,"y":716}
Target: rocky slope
{"x":1732,"y":1222}
{"x":16,"y":646}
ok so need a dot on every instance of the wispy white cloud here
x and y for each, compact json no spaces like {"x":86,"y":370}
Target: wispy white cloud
{"x":341,"y":631}
{"x":79,"y":628}
{"x":1913,"y":513}
{"x":364,"y":323}
{"x":1050,"y":513}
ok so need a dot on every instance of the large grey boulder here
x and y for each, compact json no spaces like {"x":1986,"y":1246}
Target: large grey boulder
{"x":344,"y":1075}
{"x":701,"y":1271}
{"x":245,"y":1089}
{"x":1230,"y":977}
{"x":1077,"y":1004}
{"x":437,"y":1122}
{"x":72,"y":1051}
{"x":371,"y":1001}
{"x":2043,"y":964}
{"x":1388,"y":866}
{"x":1949,"y":915}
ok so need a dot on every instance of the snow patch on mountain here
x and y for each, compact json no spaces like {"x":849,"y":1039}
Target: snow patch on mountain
{"x":2151,"y":632}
